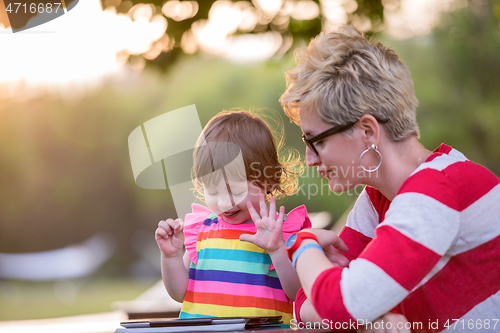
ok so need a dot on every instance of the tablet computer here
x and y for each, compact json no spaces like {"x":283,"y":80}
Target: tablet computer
{"x":250,"y":322}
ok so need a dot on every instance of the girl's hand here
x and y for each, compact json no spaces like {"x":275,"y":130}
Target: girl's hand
{"x":269,"y":228}
{"x":170,"y":237}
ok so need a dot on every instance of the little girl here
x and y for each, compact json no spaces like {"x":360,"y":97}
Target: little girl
{"x":235,"y":262}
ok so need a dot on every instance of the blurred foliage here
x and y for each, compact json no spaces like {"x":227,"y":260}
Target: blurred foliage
{"x":365,"y":15}
{"x":467,"y":52}
{"x":469,"y":44}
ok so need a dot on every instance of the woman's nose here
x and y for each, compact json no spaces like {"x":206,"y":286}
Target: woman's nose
{"x":311,"y":158}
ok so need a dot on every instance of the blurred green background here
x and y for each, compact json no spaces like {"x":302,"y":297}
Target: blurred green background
{"x":65,"y":169}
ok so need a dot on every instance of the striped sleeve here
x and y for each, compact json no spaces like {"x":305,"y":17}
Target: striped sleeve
{"x":419,"y":227}
{"x":363,"y":217}
{"x":356,"y":234}
{"x":360,"y":226}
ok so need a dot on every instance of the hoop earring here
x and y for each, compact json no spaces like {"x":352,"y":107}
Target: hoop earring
{"x":375,"y":148}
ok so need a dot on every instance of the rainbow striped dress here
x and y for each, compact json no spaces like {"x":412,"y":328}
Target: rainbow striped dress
{"x":230,"y":278}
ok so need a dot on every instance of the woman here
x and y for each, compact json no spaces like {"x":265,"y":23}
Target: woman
{"x":424,"y":235}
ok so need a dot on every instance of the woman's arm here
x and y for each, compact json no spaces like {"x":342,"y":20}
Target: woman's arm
{"x":312,"y":263}
{"x":388,"y":323}
{"x":410,"y":242}
{"x":356,"y":234}
{"x":308,"y":314}
{"x":397,"y":321}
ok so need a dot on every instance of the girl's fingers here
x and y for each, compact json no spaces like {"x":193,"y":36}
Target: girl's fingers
{"x":281,"y":216}
{"x":178,"y":226}
{"x":171,"y":227}
{"x":272,"y":208}
{"x":253,"y":213}
{"x":161,"y":233}
{"x":165,"y":226}
{"x":263,"y":206}
{"x":247,"y":238}
{"x":174,"y":224}
{"x":168,"y":224}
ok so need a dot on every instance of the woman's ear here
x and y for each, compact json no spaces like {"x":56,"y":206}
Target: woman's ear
{"x":371,"y":129}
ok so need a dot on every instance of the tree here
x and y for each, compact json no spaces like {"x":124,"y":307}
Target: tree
{"x":287,"y":21}
{"x":468,"y":48}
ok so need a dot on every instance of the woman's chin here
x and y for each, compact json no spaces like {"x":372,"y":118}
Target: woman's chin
{"x":337,"y":185}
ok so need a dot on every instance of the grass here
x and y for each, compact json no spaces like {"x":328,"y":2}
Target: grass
{"x":20,"y":300}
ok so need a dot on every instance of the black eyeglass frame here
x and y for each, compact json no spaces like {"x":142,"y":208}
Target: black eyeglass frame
{"x":331,"y":131}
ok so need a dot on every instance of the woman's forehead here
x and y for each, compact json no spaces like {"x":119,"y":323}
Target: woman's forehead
{"x":310,"y":122}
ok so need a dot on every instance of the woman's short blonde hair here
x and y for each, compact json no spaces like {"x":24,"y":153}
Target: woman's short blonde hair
{"x":343,"y":76}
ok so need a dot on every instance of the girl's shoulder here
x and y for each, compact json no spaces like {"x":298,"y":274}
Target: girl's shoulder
{"x":297,"y":219}
{"x":194,"y":221}
{"x":198,"y":215}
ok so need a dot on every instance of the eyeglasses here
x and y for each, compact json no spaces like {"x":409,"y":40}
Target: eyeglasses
{"x":331,"y":131}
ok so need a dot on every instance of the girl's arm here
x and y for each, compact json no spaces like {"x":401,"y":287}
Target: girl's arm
{"x":174,"y":266}
{"x":175,"y":275}
{"x":288,"y":277}
{"x":269,"y":236}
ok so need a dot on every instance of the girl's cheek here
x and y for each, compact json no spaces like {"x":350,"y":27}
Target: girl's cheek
{"x":209,"y":201}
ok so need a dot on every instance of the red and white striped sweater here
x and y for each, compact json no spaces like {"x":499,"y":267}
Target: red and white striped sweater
{"x":433,"y":252}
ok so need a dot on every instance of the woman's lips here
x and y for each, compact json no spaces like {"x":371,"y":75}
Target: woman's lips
{"x":322,"y":173}
{"x":328,"y":173}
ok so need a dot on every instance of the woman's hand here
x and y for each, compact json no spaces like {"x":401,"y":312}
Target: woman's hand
{"x":170,"y":237}
{"x":332,"y":245}
{"x":269,"y":227}
{"x":396,"y":322}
